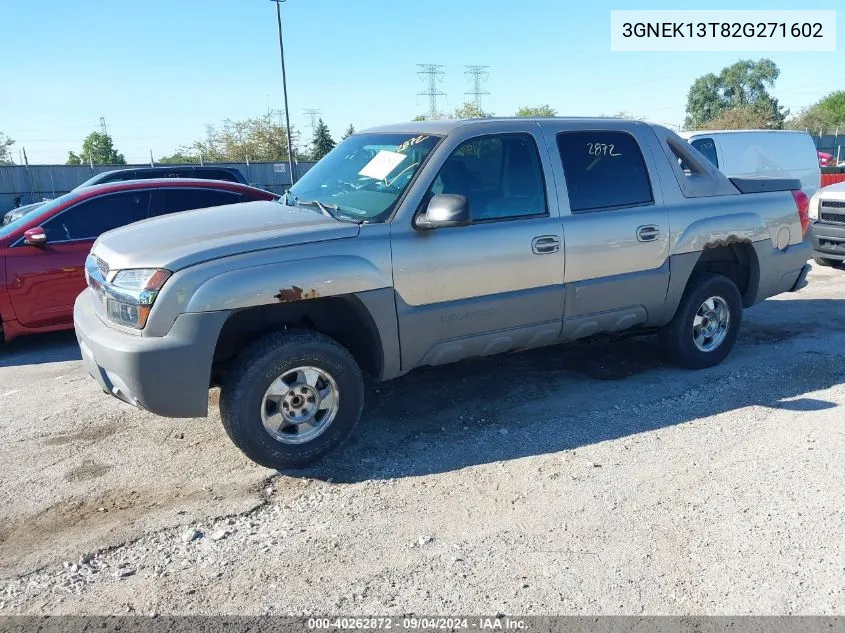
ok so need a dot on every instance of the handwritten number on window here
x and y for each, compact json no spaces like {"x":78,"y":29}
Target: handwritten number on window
{"x":602,"y":149}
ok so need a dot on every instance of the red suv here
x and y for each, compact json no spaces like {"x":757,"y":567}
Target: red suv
{"x":42,"y":254}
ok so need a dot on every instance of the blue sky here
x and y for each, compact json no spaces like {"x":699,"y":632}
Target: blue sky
{"x":160,"y":70}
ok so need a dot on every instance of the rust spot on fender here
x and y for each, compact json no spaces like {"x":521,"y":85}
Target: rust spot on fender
{"x":295,"y":293}
{"x":731,"y":240}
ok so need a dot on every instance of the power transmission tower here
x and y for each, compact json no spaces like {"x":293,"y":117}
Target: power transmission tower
{"x":476,"y":75}
{"x":277,"y":112}
{"x":431,"y":74}
{"x":103,"y":127}
{"x":312,"y":115}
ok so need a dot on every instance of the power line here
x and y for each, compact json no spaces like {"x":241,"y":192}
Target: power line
{"x":477,"y":74}
{"x":431,"y":74}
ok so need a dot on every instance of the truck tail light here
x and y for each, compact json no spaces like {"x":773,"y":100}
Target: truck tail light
{"x":803,"y":204}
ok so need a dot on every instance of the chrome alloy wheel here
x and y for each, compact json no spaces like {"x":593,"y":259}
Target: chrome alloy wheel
{"x":300,"y":405}
{"x":711,"y":323}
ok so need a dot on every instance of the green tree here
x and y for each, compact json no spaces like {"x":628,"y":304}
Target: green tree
{"x":97,"y":149}
{"x":73,"y":159}
{"x":745,"y":83}
{"x":825,"y":116}
{"x":419,"y":117}
{"x":178,"y":158}
{"x":622,"y":114}
{"x":747,"y":117}
{"x":471,"y":111}
{"x":6,"y":150}
{"x":537,"y":111}
{"x":349,"y":131}
{"x":323,"y":142}
{"x":257,"y":139}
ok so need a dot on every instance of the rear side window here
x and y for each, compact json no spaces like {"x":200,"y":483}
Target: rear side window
{"x":603,"y":170}
{"x":707,"y":147}
{"x":88,"y":219}
{"x":173,"y":200}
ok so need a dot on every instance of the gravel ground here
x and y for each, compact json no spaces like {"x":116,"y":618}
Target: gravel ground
{"x":588,"y":478}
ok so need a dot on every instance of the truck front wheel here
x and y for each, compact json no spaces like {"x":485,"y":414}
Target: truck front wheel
{"x":824,"y":261}
{"x":290,"y":398}
{"x":706,"y":324}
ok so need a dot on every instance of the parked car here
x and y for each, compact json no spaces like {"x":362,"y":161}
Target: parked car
{"x":230,"y":174}
{"x":14,"y":214}
{"x":761,"y":153}
{"x":826,"y":160}
{"x":827,"y":213}
{"x":455,"y":239}
{"x":42,"y":254}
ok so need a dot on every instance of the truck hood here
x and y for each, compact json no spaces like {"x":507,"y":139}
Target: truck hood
{"x":183,"y":239}
{"x":832,"y":192}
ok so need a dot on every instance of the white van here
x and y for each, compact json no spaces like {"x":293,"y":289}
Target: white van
{"x":761,"y":153}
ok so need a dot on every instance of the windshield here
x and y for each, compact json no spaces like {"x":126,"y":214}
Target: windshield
{"x":11,"y":227}
{"x":361,"y":179}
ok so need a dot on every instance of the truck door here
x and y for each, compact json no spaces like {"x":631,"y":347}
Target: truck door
{"x":616,"y":231}
{"x":494,"y":285}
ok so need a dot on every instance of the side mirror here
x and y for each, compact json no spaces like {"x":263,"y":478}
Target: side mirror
{"x":444,"y":210}
{"x":35,"y":236}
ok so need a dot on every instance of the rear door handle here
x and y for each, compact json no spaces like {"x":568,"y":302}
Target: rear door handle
{"x":545,"y":244}
{"x":648,"y":233}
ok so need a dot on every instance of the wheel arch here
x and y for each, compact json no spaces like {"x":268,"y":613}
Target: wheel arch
{"x":347,"y":319}
{"x":737,"y":261}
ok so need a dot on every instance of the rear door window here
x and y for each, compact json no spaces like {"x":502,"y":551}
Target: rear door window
{"x":88,"y":219}
{"x":707,"y":147}
{"x":173,"y":200}
{"x":604,"y":170}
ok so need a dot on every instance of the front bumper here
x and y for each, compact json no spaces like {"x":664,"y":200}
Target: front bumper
{"x":828,"y":240}
{"x":167,"y":375}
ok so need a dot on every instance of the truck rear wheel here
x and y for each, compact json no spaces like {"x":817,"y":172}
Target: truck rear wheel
{"x":706,"y":324}
{"x":290,"y":398}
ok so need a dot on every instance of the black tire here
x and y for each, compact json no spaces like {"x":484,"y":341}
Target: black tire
{"x":677,"y":336}
{"x":824,"y":261}
{"x":252,"y":372}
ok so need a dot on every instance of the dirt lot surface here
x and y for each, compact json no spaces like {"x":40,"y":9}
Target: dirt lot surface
{"x":588,"y":478}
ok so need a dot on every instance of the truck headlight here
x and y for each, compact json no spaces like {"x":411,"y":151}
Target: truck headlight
{"x":813,"y":210}
{"x":141,"y":286}
{"x":151,"y":279}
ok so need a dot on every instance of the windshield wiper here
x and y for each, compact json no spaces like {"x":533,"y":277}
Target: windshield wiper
{"x":326,"y":209}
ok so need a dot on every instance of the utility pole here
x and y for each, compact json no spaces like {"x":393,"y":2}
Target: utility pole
{"x":103,"y":127}
{"x":285,"y":88}
{"x":476,"y":75}
{"x":312,"y":115}
{"x":431,"y":74}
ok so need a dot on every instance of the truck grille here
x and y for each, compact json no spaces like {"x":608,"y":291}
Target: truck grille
{"x":103,"y":266}
{"x":839,"y":218}
{"x":833,"y":204}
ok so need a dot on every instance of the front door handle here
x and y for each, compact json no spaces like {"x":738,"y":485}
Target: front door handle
{"x":648,"y":233}
{"x":545,"y":244}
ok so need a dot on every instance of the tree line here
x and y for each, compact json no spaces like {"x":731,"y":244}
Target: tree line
{"x":738,"y":98}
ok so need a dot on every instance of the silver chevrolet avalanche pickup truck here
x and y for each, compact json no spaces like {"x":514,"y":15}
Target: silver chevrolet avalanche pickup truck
{"x":427,"y":243}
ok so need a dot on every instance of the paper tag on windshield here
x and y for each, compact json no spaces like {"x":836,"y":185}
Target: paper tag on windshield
{"x":382,"y":164}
